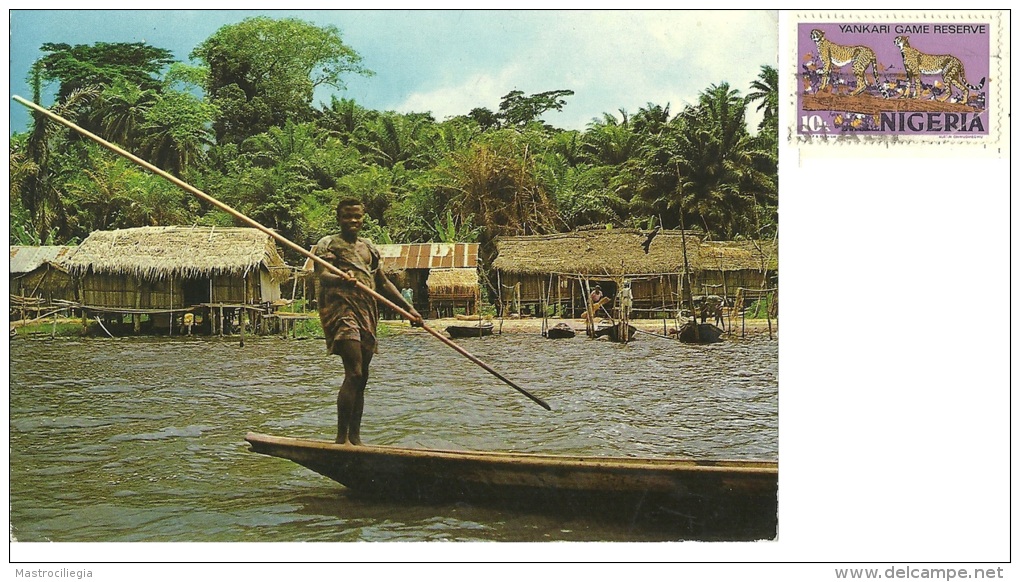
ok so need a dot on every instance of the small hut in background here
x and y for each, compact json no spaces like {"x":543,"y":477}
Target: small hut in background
{"x":410,"y":266}
{"x":164,"y":272}
{"x":37,"y":278}
{"x":450,"y":289}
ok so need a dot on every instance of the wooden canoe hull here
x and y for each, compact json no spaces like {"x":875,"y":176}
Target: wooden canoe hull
{"x":615,"y":332}
{"x":706,"y":333}
{"x":560,"y":331}
{"x":469,"y":330}
{"x":417,"y":474}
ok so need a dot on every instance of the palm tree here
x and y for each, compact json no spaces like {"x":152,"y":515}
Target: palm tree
{"x":176,"y":132}
{"x":651,"y":119}
{"x":39,"y":196}
{"x":393,"y":139}
{"x":121,"y":111}
{"x":765,"y":90}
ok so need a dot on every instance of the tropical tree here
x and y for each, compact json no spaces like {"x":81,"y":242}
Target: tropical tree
{"x":263,"y":72}
{"x":46,"y":148}
{"x":101,"y":64}
{"x":651,"y":119}
{"x":494,"y":182}
{"x":342,"y":117}
{"x":765,"y":91}
{"x":121,"y":110}
{"x":175,"y":132}
{"x":391,"y":139}
{"x":715,"y":160}
{"x":610,"y":142}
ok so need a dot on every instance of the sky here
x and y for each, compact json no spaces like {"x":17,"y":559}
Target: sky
{"x":451,"y":61}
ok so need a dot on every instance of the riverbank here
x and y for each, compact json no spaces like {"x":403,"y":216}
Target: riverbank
{"x":534,"y":325}
{"x":751,"y":327}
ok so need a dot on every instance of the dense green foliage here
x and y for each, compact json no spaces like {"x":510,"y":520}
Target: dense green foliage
{"x":240,"y":124}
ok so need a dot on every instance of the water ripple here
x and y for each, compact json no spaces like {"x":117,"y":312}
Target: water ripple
{"x":142,"y":439}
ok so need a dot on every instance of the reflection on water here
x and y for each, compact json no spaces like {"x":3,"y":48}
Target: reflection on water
{"x":140,"y":439}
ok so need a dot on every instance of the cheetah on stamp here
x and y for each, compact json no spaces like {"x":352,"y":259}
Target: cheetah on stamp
{"x":838,"y":55}
{"x":916,"y":63}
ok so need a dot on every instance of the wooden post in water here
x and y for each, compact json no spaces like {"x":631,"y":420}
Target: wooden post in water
{"x":244,"y":306}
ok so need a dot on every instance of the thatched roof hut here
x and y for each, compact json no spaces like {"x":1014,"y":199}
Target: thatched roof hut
{"x":558,"y":268}
{"x":740,"y":255}
{"x":429,"y":256}
{"x":159,"y":252}
{"x":162,"y":271}
{"x":450,"y":288}
{"x":37,"y":272}
{"x":410,"y":266}
{"x":25,"y":259}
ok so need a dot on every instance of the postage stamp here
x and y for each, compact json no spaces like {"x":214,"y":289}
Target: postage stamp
{"x":880,"y":77}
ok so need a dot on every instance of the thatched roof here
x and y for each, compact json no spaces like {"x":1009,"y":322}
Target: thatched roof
{"x":25,"y":259}
{"x":602,"y":252}
{"x":453,"y":281}
{"x":620,"y":252}
{"x":158,"y":252}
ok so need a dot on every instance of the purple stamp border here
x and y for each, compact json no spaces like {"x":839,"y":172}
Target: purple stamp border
{"x":887,"y":107}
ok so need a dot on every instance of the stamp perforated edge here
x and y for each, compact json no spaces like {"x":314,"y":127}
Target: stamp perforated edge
{"x":995,"y":142}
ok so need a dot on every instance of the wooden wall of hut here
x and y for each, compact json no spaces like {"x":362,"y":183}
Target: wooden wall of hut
{"x":715,"y":282}
{"x":654,"y":296}
{"x":123,"y":291}
{"x":47,"y":282}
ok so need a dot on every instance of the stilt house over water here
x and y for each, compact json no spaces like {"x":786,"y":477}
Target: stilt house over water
{"x":164,"y":272}
{"x":560,"y":269}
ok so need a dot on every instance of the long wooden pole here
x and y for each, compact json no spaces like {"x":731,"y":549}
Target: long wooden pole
{"x":280,"y":238}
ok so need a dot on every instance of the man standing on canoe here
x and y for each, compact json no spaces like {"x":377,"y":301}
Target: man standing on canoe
{"x":350,"y":315}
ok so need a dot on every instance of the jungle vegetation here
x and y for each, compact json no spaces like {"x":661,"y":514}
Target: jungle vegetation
{"x":239,"y":121}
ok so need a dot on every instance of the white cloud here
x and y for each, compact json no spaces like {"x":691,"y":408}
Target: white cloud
{"x":619,"y":59}
{"x":475,"y":90}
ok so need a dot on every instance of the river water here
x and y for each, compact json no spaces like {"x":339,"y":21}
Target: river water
{"x":142,"y":439}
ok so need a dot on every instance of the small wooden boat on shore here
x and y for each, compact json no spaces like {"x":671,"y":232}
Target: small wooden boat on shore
{"x":560,"y":331}
{"x":482,"y":329}
{"x":698,"y":333}
{"x":737,"y":489}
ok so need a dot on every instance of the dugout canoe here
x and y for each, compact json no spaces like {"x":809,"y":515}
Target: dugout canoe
{"x":560,"y":331}
{"x":747,"y":489}
{"x":698,"y":333}
{"x":615,"y":331}
{"x":482,"y":329}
